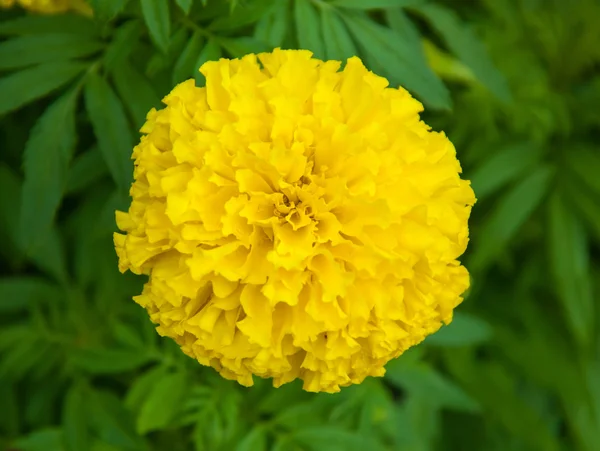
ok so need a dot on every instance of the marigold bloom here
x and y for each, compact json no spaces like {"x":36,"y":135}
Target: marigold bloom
{"x":296,"y":221}
{"x":49,"y":6}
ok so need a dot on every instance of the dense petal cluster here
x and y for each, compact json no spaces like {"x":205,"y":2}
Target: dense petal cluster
{"x":295,"y":220}
{"x":49,"y":6}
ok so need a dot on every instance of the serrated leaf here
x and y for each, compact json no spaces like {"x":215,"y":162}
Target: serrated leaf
{"x":239,"y":47}
{"x":122,"y":44}
{"x":185,"y":5}
{"x":301,"y":413}
{"x":585,"y":162}
{"x":185,"y":67}
{"x":141,"y":387}
{"x":162,"y":403}
{"x":43,"y":48}
{"x":420,"y":380}
{"x":464,"y":330}
{"x":46,"y":160}
{"x":86,"y":169}
{"x":111,"y":129}
{"x":43,"y":24}
{"x":466,"y":45}
{"x":49,"y":256}
{"x":105,"y":10}
{"x":19,"y":292}
{"x":74,"y":419}
{"x":588,"y":206}
{"x":374,"y":4}
{"x":308,"y":28}
{"x":113,"y":423}
{"x":101,"y":446}
{"x":570,"y":267}
{"x":332,"y":438}
{"x":255,"y":440}
{"x":108,"y":361}
{"x":136,"y":91}
{"x":502,"y":167}
{"x":211,"y":52}
{"x":157,"y":18}
{"x":41,"y":440}
{"x":10,"y":204}
{"x":515,"y":207}
{"x":447,"y":66}
{"x":20,"y":88}
{"x":246,"y":14}
{"x":338,"y":42}
{"x":494,"y":386}
{"x":398,"y":59}
{"x":272,"y":28}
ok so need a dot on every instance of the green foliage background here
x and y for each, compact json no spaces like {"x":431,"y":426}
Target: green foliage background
{"x":516,"y":86}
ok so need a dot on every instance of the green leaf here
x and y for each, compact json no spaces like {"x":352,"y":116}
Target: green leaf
{"x":105,"y":10}
{"x":585,"y":163}
{"x":9,"y":414}
{"x":111,"y":129}
{"x":185,"y":5}
{"x":272,"y":28}
{"x":422,"y":381}
{"x":49,"y":256}
{"x":338,"y":42}
{"x":158,"y":21}
{"x":141,"y":387}
{"x":246,"y":14}
{"x":465,"y":44}
{"x":255,"y":440}
{"x":105,"y":221}
{"x":43,"y":48}
{"x":162,"y":403}
{"x":10,"y":204}
{"x":515,"y":207}
{"x":123,"y":43}
{"x":46,"y":159}
{"x":112,"y":422}
{"x":41,"y":440}
{"x":109,"y":361}
{"x":374,"y":4}
{"x":19,"y":292}
{"x":86,"y":169}
{"x":494,"y":385}
{"x":400,"y":23}
{"x":239,"y":47}
{"x":136,"y":91}
{"x":101,"y":446}
{"x":43,"y":24}
{"x":20,"y":88}
{"x":502,"y":167}
{"x":301,"y":413}
{"x":569,"y":261}
{"x":210,"y":52}
{"x":464,"y":330}
{"x":398,"y":59}
{"x":446,"y":66}
{"x":330,"y":438}
{"x":185,"y":67}
{"x":74,"y":419}
{"x":308,"y":28}
{"x":587,"y":205}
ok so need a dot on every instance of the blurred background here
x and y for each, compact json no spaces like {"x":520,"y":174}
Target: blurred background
{"x":516,"y":86}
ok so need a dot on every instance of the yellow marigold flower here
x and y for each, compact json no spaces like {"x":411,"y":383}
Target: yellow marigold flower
{"x":295,"y":221}
{"x":49,"y":6}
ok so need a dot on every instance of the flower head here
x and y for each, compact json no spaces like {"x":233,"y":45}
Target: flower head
{"x":49,"y":6}
{"x":295,"y":220}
